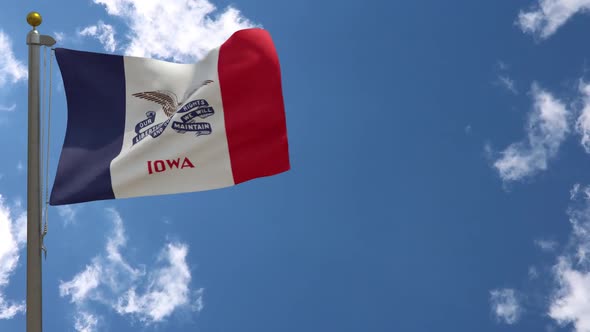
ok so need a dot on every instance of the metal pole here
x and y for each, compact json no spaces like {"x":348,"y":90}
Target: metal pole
{"x":34,"y":290}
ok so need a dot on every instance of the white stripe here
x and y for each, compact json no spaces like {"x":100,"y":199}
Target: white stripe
{"x":208,"y":153}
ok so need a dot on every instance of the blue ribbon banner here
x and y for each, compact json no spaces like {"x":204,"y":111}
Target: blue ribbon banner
{"x":196,"y":108}
{"x":151,"y":117}
{"x":200,"y":128}
{"x":193,"y":104}
{"x":154,"y":131}
{"x":202,"y":112}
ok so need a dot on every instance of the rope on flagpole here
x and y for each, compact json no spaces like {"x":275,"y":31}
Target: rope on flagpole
{"x":47,"y":110}
{"x":43,"y":77}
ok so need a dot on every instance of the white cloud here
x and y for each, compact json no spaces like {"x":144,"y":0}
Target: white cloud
{"x":502,"y":65}
{"x":159,"y":29}
{"x":533,"y":273}
{"x":86,"y":322}
{"x":570,"y":302}
{"x":198,"y":304}
{"x":105,"y":33}
{"x":11,"y":70}
{"x":111,"y":280}
{"x":546,"y":130}
{"x":580,"y":221}
{"x":117,"y":263}
{"x":109,"y":270}
{"x":468,"y":129}
{"x":549,"y":15}
{"x":507,"y":83}
{"x":9,"y":310}
{"x":574,"y":191}
{"x":583,"y":122}
{"x":13,"y":237}
{"x":60,"y":37}
{"x":167,"y":288}
{"x":577,"y":191}
{"x":68,"y":213}
{"x":569,"y":295}
{"x":10,"y":108}
{"x":505,"y":305}
{"x":81,"y":286}
{"x":546,"y":245}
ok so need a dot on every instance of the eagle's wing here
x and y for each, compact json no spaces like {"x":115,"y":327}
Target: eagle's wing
{"x":164,"y":98}
{"x":192,"y":92}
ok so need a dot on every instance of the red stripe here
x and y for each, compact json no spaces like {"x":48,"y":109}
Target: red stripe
{"x":250,"y":80}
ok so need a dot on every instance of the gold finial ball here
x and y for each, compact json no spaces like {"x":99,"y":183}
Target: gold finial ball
{"x":34,"y":19}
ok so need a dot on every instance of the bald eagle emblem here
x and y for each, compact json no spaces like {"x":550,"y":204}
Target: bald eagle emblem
{"x":170,"y":104}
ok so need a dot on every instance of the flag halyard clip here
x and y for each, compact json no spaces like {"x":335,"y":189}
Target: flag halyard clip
{"x":43,"y":248}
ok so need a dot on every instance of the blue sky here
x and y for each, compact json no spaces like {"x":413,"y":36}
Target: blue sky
{"x":439,"y":177}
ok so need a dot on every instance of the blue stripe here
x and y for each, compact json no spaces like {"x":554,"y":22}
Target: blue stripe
{"x":95,"y":92}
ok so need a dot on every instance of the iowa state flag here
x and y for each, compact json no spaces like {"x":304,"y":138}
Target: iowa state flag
{"x":139,"y":127}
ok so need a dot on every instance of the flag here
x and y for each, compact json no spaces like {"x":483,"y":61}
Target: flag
{"x":139,"y":127}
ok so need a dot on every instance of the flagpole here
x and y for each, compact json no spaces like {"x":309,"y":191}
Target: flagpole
{"x":34,"y":289}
